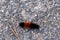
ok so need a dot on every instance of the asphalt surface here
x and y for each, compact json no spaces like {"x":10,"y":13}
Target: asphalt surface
{"x":45,"y":13}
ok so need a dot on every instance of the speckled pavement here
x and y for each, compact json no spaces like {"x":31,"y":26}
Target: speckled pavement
{"x":45,"y":13}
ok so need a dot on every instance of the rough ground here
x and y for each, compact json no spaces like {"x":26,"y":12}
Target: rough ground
{"x":45,"y":13}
